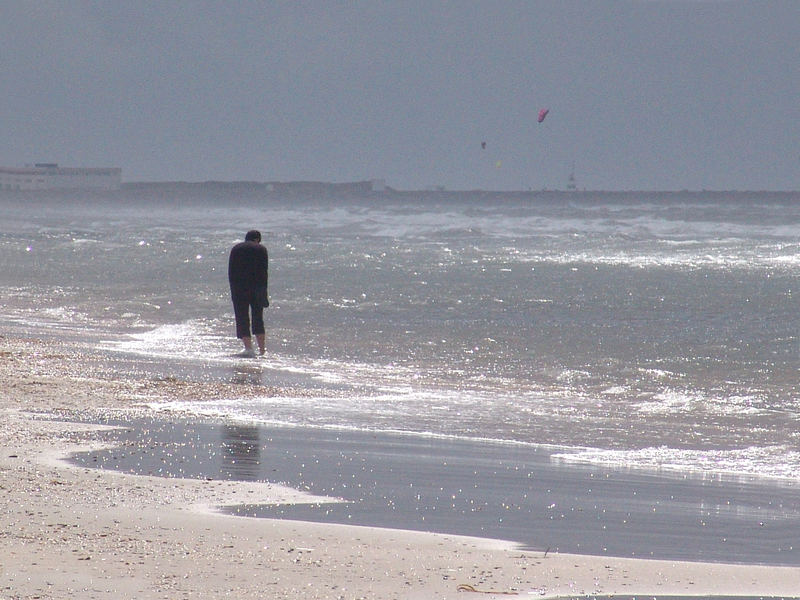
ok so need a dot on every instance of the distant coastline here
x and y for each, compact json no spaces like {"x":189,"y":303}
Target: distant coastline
{"x":370,"y":189}
{"x":377,"y":189}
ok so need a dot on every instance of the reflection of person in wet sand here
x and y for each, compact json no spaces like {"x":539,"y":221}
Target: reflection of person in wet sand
{"x":241,"y":453}
{"x":248,"y":275}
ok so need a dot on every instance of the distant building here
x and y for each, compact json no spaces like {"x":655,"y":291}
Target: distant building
{"x":49,"y":176}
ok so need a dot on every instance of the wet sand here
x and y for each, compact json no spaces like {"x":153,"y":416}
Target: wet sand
{"x":71,"y":531}
{"x":501,"y":491}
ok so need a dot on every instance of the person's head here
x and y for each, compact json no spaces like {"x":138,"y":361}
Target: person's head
{"x":253,"y":236}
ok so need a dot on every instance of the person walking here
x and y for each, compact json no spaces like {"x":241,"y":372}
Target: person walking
{"x":248,"y":275}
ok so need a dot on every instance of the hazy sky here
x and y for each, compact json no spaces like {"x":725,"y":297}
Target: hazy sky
{"x":642,"y":94}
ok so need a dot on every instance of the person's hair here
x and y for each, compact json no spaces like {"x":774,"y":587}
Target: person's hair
{"x":252,"y":236}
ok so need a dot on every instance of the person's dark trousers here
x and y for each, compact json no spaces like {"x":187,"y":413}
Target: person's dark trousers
{"x":243,"y":306}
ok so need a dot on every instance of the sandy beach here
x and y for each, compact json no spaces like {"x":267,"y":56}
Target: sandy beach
{"x":70,"y":532}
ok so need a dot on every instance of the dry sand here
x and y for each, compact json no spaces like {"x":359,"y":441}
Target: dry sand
{"x":68,"y":532}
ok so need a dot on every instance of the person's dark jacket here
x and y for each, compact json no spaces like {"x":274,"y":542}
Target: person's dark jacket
{"x":248,"y":268}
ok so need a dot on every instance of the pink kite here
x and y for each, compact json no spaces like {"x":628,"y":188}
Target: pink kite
{"x":543,"y":114}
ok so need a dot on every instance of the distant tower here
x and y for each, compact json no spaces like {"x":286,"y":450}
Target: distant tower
{"x":571,"y":187}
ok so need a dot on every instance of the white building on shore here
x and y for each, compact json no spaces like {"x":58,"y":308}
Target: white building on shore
{"x":49,"y":176}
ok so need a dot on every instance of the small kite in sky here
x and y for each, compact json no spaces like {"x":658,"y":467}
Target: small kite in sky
{"x":483,"y":145}
{"x":543,"y":113}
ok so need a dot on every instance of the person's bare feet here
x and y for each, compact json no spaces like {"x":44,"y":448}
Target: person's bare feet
{"x":260,"y":338}
{"x":248,"y":348}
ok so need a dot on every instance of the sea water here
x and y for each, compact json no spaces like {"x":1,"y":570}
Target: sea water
{"x":640,"y":330}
